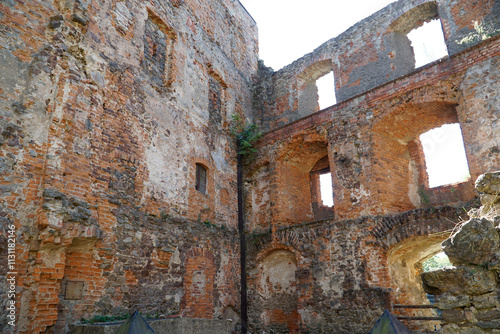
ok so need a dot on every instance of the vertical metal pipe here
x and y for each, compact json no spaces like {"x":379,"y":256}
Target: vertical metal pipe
{"x":241,"y":230}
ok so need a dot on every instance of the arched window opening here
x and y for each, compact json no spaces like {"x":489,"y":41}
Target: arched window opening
{"x":428,"y":43}
{"x":201,"y":179}
{"x":410,"y":176}
{"x":316,"y":88}
{"x":299,"y":168}
{"x":326,"y":91}
{"x":406,"y":262}
{"x":444,"y":153}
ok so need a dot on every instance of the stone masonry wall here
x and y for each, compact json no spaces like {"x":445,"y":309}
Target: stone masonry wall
{"x":105,"y":109}
{"x":344,"y":277}
{"x":366,"y":256}
{"x":467,"y":292}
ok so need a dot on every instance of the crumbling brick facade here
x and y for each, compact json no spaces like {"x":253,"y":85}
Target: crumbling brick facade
{"x":386,"y":219}
{"x":109,"y":108}
{"x":106,"y":108}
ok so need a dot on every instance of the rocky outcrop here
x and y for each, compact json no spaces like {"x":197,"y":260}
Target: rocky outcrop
{"x":467,"y":293}
{"x":476,"y":242}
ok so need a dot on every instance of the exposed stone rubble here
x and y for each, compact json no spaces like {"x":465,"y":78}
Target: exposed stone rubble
{"x":467,"y":293}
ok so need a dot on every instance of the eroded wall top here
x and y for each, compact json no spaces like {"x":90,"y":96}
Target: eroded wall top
{"x":371,"y":53}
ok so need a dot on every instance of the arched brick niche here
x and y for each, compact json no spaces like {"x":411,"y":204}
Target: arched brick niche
{"x":295,"y":184}
{"x":402,"y":181}
{"x":199,"y":282}
{"x":276,"y":285}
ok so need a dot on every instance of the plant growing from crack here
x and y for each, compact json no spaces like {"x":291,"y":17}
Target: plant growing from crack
{"x":246,"y":135}
{"x":424,"y":197}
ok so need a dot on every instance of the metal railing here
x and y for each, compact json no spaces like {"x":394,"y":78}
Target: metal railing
{"x":400,"y":317}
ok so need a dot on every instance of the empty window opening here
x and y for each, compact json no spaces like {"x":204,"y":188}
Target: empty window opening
{"x":201,"y":179}
{"x":325,"y":182}
{"x":428,"y":43}
{"x":326,"y":91}
{"x":321,"y":188}
{"x":438,"y":261}
{"x":444,"y":154}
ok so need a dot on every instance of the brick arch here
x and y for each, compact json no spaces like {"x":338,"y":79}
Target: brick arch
{"x":397,"y":32}
{"x":443,"y":94}
{"x":406,"y":122}
{"x":422,"y":12}
{"x":404,"y":266}
{"x":316,"y":69}
{"x":395,"y":134}
{"x":403,"y":242}
{"x":293,"y":167}
{"x":280,"y":241}
{"x":307,"y":93}
{"x":391,"y":230}
{"x":291,"y":145}
{"x":285,"y":239}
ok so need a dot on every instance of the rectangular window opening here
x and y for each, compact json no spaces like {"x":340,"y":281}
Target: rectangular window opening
{"x":325,"y":182}
{"x":201,"y":179}
{"x":326,"y":91}
{"x":445,"y":157}
{"x":428,"y":43}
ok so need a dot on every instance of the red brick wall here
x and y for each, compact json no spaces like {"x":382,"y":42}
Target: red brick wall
{"x":103,"y":118}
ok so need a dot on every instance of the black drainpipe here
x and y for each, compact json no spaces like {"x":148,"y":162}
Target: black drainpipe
{"x":241,"y":230}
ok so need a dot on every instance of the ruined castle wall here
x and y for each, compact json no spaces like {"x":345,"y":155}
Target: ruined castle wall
{"x":371,"y":140}
{"x":373,"y":52}
{"x":370,"y":144}
{"x":106,"y":109}
{"x":343,"y":277}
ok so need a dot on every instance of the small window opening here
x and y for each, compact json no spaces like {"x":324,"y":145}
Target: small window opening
{"x":438,"y":261}
{"x":326,"y":91}
{"x":201,"y":179}
{"x":325,"y":182}
{"x":155,"y":50}
{"x":444,"y":154}
{"x":428,"y":43}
